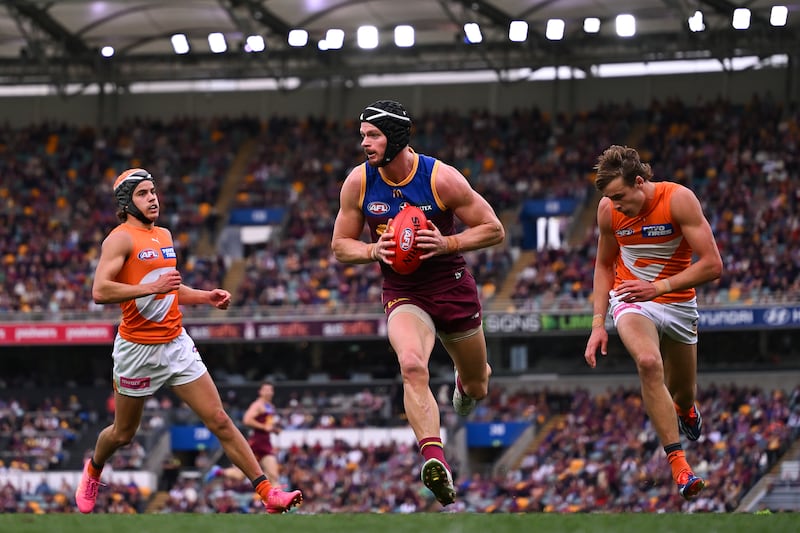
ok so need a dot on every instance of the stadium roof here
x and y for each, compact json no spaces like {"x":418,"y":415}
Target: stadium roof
{"x":60,"y":42}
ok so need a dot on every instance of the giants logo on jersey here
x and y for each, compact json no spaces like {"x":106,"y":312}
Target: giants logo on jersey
{"x":148,"y":254}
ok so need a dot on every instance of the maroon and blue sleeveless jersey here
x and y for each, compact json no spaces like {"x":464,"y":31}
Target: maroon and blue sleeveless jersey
{"x":382,"y":200}
{"x":260,"y":441}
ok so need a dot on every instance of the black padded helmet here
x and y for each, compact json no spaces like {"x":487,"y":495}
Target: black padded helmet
{"x":392,"y":119}
{"x":123,"y":191}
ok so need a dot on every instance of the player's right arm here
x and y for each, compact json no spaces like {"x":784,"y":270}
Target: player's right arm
{"x":607,"y":251}
{"x":346,"y":244}
{"x":106,"y":290}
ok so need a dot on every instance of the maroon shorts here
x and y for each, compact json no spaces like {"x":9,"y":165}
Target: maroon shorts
{"x":260,"y":446}
{"x":454,"y":306}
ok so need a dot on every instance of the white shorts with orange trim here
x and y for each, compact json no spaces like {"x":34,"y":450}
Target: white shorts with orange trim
{"x":142,"y":369}
{"x":677,"y":320}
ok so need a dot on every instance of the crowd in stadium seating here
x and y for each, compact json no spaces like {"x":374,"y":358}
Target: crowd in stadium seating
{"x":741,"y":161}
{"x":58,"y":206}
{"x":39,"y":437}
{"x":593,"y":453}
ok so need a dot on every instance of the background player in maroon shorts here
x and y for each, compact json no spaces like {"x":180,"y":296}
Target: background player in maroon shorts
{"x":440,"y":298}
{"x":264,"y":421}
{"x":262,"y":418}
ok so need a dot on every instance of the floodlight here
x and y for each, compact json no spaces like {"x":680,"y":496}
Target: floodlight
{"x":254,"y":43}
{"x":367,"y":37}
{"x":216,"y":42}
{"x":473,"y":32}
{"x":298,"y":38}
{"x":518,"y":31}
{"x":555,"y":29}
{"x":626,"y":25}
{"x":696,"y":23}
{"x":335,"y":38}
{"x":180,"y":44}
{"x":591,"y":24}
{"x":404,"y":36}
{"x":741,"y":18}
{"x":778,"y":15}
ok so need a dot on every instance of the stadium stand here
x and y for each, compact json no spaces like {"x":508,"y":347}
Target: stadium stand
{"x":585,"y":451}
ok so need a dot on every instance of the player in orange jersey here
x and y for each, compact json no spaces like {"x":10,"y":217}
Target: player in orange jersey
{"x":137,"y":270}
{"x":649,"y":232}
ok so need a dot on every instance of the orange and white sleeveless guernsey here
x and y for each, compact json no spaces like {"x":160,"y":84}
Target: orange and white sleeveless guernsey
{"x":652,"y":246}
{"x":155,"y":318}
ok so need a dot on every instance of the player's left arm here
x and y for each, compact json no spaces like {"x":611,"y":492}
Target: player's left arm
{"x":484,"y":229}
{"x":219,"y":298}
{"x":688,"y":214}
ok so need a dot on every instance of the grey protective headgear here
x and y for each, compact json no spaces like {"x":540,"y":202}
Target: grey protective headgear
{"x":123,"y":191}
{"x":392,"y":119}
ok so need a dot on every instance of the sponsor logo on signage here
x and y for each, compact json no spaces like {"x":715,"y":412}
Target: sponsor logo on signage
{"x":777,"y":316}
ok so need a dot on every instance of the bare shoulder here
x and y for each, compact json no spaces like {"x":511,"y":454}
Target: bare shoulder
{"x":118,"y":240}
{"x":451,"y":185}
{"x":351,"y":188}
{"x":604,"y":212}
{"x":685,"y":205}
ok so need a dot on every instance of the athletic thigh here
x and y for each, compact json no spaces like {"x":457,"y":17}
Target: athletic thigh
{"x":411,"y":333}
{"x":469,"y":354}
{"x":639,"y":335}
{"x":202,"y":397}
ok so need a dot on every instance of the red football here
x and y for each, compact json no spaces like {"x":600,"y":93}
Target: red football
{"x":406,"y":224}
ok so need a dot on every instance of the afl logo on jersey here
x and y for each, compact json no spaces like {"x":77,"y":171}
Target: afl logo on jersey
{"x":378,"y":208}
{"x":147,"y":255}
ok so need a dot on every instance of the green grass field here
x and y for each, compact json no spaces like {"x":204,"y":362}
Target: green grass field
{"x":396,"y":523}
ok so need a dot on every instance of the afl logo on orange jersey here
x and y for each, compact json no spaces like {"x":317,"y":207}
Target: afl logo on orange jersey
{"x":146,"y":255}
